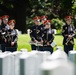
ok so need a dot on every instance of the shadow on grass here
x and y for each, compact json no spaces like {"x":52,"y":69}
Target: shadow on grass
{"x":58,"y":34}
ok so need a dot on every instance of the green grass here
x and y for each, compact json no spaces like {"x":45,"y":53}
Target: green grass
{"x":23,"y":42}
{"x":25,"y":38}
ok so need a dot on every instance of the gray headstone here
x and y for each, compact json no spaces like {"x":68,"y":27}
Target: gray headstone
{"x":5,"y":64}
{"x":58,"y":67}
{"x":30,"y":63}
{"x":72,"y":57}
{"x":43,"y":55}
{"x":25,"y":64}
{"x":58,"y":54}
{"x":15,"y":60}
{"x":23,"y":50}
{"x":57,"y":64}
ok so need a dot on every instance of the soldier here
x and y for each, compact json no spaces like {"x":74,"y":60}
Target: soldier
{"x":41,"y":28}
{"x":0,"y":22}
{"x":34,"y":33}
{"x":11,"y":38}
{"x":68,"y":32}
{"x":0,"y":32}
{"x":5,"y":21}
{"x":48,"y":36}
{"x":4,"y":28}
{"x":43,"y":18}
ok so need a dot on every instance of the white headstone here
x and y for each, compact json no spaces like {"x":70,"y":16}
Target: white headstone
{"x":43,"y":55}
{"x":15,"y":61}
{"x":5,"y":64}
{"x":72,"y":57}
{"x":59,"y":54}
{"x":58,"y":67}
{"x":18,"y":32}
{"x":28,"y":31}
{"x":55,"y":31}
{"x":30,"y":63}
{"x":57,"y":64}
{"x":23,"y":50}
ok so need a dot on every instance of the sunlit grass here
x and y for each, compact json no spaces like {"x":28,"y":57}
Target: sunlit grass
{"x":23,"y":42}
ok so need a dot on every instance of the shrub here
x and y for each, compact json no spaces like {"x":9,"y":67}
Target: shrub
{"x":57,"y":24}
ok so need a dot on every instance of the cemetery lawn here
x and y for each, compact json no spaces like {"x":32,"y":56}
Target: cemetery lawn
{"x":23,"y":40}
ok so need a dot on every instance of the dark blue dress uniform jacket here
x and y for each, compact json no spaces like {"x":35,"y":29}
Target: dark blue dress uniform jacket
{"x":35,"y":33}
{"x":68,"y":30}
{"x":48,"y":36}
{"x":11,"y":37}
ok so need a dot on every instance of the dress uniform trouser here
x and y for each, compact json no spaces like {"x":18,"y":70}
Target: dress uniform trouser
{"x":34,"y":47}
{"x":39,"y":48}
{"x":11,"y":49}
{"x":68,"y":48}
{"x":48,"y":48}
{"x":3,"y":47}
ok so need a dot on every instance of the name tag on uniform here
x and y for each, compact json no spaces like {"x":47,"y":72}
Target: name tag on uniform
{"x":71,"y":29}
{"x":53,"y":44}
{"x":49,"y":32}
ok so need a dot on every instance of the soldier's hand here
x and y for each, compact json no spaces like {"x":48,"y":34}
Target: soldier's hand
{"x":69,"y":36}
{"x":35,"y":41}
{"x":48,"y":43}
{"x":41,"y":41}
{"x":5,"y":40}
{"x":12,"y":43}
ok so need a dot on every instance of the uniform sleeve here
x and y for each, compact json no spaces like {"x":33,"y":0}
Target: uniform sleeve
{"x":16,"y":37}
{"x":40,"y":32}
{"x":31,"y":34}
{"x":4,"y":33}
{"x":74,"y":32}
{"x":63,"y":32}
{"x":51,"y":40}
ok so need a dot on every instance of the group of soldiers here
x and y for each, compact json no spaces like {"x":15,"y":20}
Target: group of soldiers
{"x":8,"y":35}
{"x":42,"y":35}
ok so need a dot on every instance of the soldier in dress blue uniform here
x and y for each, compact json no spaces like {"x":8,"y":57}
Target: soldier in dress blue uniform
{"x":34,"y":33}
{"x":68,"y":32}
{"x":0,"y":32}
{"x":4,"y":28}
{"x":12,"y":37}
{"x":41,"y":28}
{"x":48,"y":36}
{"x":5,"y":19}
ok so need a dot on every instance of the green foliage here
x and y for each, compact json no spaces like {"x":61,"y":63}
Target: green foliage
{"x":57,"y":24}
{"x":52,"y":8}
{"x":74,"y":8}
{"x":29,"y":22}
{"x":23,"y":42}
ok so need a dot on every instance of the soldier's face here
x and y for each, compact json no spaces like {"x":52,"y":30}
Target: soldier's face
{"x":37,"y":22}
{"x":11,"y":25}
{"x":5,"y":20}
{"x":48,"y":26}
{"x":0,"y":21}
{"x":44,"y":19}
{"x":68,"y":21}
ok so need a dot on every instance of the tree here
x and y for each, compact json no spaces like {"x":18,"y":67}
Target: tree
{"x":51,"y":8}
